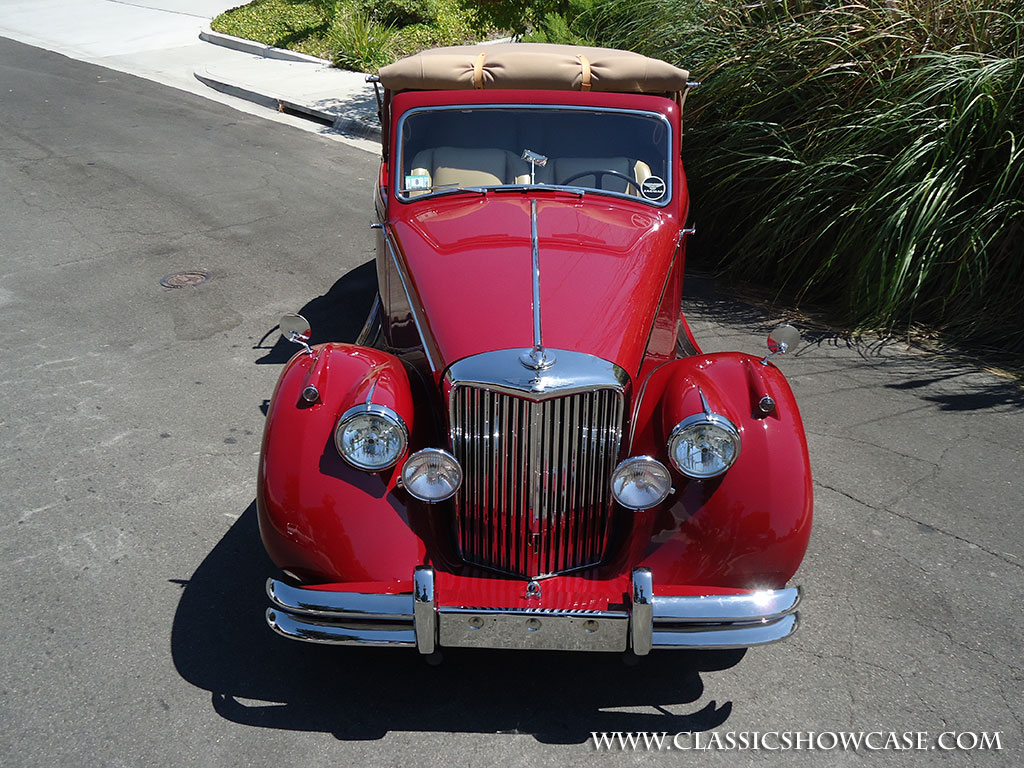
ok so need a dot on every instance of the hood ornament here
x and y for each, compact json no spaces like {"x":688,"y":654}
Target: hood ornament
{"x":538,"y":358}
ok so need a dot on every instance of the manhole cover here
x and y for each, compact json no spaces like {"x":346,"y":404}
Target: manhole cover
{"x":185,"y":279}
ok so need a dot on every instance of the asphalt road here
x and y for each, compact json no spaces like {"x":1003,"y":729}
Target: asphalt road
{"x":132,"y":629}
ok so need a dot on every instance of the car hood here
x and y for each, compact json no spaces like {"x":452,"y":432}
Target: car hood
{"x":603,"y":266}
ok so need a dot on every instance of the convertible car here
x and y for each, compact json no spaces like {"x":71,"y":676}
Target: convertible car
{"x":526,"y":448}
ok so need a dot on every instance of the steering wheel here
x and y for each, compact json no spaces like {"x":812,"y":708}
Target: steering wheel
{"x":599,"y":174}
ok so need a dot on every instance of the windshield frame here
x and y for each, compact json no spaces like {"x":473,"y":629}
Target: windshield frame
{"x":575,"y":189}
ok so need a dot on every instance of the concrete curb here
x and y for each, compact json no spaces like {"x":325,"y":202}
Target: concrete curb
{"x":342,"y":123}
{"x":257,"y":49}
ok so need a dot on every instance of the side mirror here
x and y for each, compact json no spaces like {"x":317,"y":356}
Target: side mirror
{"x":780,"y":341}
{"x":295,"y":328}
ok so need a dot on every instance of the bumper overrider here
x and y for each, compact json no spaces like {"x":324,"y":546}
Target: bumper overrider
{"x":418,"y":620}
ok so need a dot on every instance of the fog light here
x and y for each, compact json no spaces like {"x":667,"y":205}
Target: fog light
{"x":431,"y":475}
{"x":641,"y":483}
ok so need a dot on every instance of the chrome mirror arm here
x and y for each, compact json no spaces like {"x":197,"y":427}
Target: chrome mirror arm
{"x":295,"y":338}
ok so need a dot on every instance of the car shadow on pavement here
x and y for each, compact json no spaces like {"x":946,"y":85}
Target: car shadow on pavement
{"x":221,"y":643}
{"x":337,"y":315}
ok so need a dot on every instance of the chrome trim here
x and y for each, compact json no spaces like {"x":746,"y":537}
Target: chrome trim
{"x":641,"y":627}
{"x":424,"y":615}
{"x":636,"y":460}
{"x":638,"y":401}
{"x":399,"y":150}
{"x":409,"y":463}
{"x":380,"y":410}
{"x":351,"y":605}
{"x":372,"y":324}
{"x":707,"y":417}
{"x":501,"y":371}
{"x":726,"y":621}
{"x":334,"y":633}
{"x":704,"y":402}
{"x":727,"y":635}
{"x":418,"y":321}
{"x":537,"y":358}
{"x":605,"y":631}
{"x":415,"y":620}
{"x":765,"y":605}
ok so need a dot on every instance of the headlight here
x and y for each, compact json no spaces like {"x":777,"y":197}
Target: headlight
{"x":704,"y":445}
{"x":432,"y":475}
{"x":641,"y":483}
{"x":371,"y":437}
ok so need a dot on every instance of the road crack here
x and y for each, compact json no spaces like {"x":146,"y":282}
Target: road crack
{"x":998,"y":555}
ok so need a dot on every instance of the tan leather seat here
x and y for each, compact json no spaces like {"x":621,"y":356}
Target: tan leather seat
{"x":469,"y":167}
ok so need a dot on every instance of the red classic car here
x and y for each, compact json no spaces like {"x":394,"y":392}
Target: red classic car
{"x":526,"y":447}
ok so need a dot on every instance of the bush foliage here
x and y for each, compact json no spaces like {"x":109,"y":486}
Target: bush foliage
{"x":866,"y":156}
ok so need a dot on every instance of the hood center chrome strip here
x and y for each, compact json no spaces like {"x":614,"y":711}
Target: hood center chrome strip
{"x":537,"y":358}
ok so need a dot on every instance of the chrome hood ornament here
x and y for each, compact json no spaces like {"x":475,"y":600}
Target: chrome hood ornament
{"x":537,"y":359}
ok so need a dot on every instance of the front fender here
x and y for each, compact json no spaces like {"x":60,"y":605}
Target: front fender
{"x":749,"y":527}
{"x":321,"y":519}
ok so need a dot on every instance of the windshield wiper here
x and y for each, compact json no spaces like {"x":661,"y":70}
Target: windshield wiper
{"x":578,"y":191}
{"x":445,"y":189}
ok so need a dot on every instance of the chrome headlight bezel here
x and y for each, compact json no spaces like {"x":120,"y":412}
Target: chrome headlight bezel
{"x":714,"y":421}
{"x":413,"y":463}
{"x":641,"y":462}
{"x":375,"y":411}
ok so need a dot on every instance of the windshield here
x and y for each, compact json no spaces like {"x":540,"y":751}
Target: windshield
{"x":614,"y":152}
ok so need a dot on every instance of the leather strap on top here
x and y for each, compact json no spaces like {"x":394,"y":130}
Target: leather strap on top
{"x":478,"y":71}
{"x":585,"y":64}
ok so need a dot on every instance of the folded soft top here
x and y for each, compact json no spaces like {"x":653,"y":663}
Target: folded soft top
{"x":533,"y":66}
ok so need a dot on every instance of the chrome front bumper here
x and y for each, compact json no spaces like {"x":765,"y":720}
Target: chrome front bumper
{"x":701,"y":622}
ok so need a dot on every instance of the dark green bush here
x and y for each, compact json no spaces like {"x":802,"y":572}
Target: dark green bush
{"x":400,"y":13}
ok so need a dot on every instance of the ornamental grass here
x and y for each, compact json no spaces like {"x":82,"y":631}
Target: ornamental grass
{"x":866,"y":156}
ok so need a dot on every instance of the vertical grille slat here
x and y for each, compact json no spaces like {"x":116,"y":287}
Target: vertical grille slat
{"x":535,"y":498}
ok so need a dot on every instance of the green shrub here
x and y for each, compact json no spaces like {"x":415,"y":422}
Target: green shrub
{"x":401,"y":13}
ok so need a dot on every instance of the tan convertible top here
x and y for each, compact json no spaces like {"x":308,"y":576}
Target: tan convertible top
{"x":532,"y":66}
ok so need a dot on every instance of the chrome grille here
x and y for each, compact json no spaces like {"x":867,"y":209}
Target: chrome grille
{"x":536,"y":493}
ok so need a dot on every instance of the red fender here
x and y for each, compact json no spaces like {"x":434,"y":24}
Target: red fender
{"x":322,"y":520}
{"x":749,"y":527}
